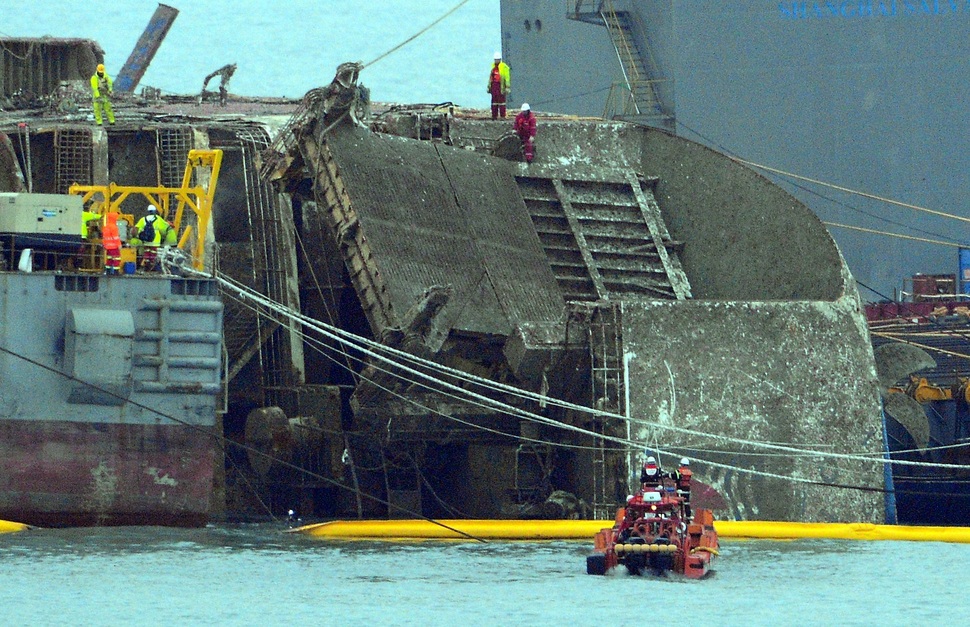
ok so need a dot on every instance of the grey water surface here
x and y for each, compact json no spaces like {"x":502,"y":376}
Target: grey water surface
{"x":261,"y":575}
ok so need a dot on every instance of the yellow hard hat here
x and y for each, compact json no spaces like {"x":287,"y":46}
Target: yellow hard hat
{"x":101,"y":67}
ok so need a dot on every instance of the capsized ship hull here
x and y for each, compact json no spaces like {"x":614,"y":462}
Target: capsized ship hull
{"x":625,"y":270}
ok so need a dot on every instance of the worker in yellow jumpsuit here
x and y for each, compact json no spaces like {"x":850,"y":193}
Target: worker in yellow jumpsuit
{"x":151,"y":232}
{"x":90,"y":226}
{"x":101,"y":92}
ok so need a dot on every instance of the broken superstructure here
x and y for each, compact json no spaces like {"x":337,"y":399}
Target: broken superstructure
{"x":627,"y":286}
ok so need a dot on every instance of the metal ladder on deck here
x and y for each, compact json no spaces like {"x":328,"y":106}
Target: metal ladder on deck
{"x":608,"y":389}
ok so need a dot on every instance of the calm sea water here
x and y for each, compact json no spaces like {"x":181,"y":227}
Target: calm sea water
{"x":257,"y":574}
{"x":286,"y":48}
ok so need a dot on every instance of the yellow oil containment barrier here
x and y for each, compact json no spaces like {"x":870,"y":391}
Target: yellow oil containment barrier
{"x":586,"y":529}
{"x":456,"y":529}
{"x":9,"y":527}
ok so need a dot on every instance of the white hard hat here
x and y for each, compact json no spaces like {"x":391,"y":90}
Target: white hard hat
{"x":525,"y":106}
{"x":684,"y":461}
{"x":151,"y":209}
{"x":498,"y":56}
{"x":651,"y":460}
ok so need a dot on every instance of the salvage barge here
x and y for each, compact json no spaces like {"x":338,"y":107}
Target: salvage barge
{"x":638,"y":275}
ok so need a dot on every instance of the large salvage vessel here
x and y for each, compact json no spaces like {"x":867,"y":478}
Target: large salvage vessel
{"x":923,"y":356}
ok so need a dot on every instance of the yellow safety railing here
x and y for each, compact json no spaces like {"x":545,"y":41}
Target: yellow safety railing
{"x":204,"y":165}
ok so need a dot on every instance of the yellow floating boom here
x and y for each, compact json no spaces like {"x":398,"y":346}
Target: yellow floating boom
{"x":586,"y":529}
{"x":9,"y":527}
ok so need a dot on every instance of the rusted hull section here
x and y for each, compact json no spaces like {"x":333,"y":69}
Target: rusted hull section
{"x":57,"y":473}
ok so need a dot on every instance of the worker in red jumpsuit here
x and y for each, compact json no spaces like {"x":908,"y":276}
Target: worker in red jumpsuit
{"x":525,"y":128}
{"x":111,"y":240}
{"x":499,"y":86}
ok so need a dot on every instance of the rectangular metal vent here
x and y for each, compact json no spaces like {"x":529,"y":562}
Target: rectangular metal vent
{"x":76,"y":283}
{"x":193,"y":287}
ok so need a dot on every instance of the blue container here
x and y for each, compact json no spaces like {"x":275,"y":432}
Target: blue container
{"x":129,"y":267}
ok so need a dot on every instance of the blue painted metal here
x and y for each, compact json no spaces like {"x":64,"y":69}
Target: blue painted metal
{"x":890,"y":502}
{"x":964,"y":270}
{"x":148,"y":44}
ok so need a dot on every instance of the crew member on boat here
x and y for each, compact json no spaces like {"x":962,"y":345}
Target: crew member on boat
{"x":111,"y":241}
{"x":152,"y":231}
{"x":682,"y":477}
{"x":650,"y":476}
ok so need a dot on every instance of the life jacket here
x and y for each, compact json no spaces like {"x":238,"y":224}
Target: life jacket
{"x":501,"y":76}
{"x":683,"y":478}
{"x":87,"y":216}
{"x":110,"y":238}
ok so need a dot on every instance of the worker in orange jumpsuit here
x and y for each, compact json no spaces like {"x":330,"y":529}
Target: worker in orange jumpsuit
{"x":525,"y":128}
{"x":499,"y":86}
{"x":111,"y":240}
{"x":101,"y":87}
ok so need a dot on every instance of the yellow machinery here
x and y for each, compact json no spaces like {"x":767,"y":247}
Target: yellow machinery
{"x":922,"y":391}
{"x":204,"y":165}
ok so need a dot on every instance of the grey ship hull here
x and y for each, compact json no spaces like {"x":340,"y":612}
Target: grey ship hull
{"x":107,"y":408}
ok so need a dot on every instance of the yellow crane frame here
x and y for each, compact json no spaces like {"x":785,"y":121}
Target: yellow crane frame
{"x":198,"y":199}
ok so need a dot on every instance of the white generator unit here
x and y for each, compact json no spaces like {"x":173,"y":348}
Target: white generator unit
{"x":41,"y":220}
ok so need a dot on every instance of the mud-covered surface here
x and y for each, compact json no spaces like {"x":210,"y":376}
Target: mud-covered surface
{"x":437,"y":215}
{"x":798,"y":374}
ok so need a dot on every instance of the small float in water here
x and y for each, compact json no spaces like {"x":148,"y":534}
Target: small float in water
{"x":656,"y":533}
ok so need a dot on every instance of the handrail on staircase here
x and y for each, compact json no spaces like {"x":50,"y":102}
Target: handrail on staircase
{"x":640,"y":95}
{"x":577,"y":7}
{"x":622,"y":46}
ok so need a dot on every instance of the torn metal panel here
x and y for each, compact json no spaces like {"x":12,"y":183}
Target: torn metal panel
{"x":539,"y":352}
{"x":146,"y":47}
{"x":434,"y":215}
{"x":341,"y":216}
